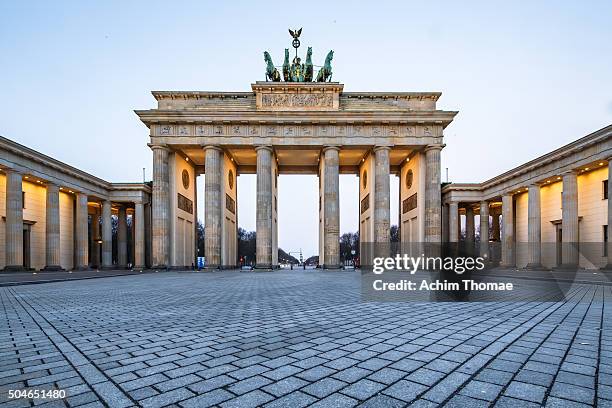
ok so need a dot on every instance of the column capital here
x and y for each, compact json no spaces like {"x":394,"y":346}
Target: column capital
{"x":336,"y":148}
{"x":434,"y":147}
{"x":264,"y":147}
{"x":212,"y":147}
{"x":158,"y":147}
{"x":377,"y":148}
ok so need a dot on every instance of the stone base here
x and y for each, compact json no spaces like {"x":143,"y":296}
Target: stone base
{"x":160,"y":267}
{"x":566,"y":267}
{"x":333,"y":266}
{"x":139,"y":267}
{"x":15,"y":268}
{"x":52,"y":268}
{"x":83,"y":268}
{"x":608,"y":267}
{"x":535,"y":267}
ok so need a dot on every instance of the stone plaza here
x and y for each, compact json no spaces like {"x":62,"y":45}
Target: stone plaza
{"x":295,"y":339}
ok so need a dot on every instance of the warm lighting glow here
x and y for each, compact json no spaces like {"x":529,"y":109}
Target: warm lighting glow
{"x":586,"y":168}
{"x":407,"y":159}
{"x":186,"y":158}
{"x":558,"y":178}
{"x":61,"y":188}
{"x":26,"y":177}
{"x":548,"y":181}
{"x":601,"y":164}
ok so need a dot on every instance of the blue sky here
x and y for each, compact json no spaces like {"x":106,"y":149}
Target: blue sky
{"x":526,"y":77}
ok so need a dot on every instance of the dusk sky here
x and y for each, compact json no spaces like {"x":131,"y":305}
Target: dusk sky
{"x":526,"y":78}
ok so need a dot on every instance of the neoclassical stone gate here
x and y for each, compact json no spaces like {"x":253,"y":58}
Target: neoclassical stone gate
{"x":291,"y":128}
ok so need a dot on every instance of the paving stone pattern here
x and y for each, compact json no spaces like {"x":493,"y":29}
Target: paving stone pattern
{"x":296,"y":339}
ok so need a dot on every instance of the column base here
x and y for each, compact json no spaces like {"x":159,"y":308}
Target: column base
{"x":332,"y":266}
{"x":535,"y":267}
{"x":608,"y":267}
{"x":83,"y":268}
{"x":162,"y":267}
{"x":15,"y":268}
{"x":140,"y":267}
{"x":566,"y":267}
{"x":52,"y":268}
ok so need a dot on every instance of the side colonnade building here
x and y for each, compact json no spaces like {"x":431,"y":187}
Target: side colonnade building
{"x":56,"y":217}
{"x":551,"y":212}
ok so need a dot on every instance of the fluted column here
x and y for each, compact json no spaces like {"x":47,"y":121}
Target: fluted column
{"x":107,"y":235}
{"x":534,"y":227}
{"x":122,"y":255}
{"x":469,"y":224}
{"x":495,"y":227}
{"x":609,"y":265}
{"x":484,"y":229}
{"x":264,"y":207}
{"x":508,"y":231}
{"x":433,"y":194}
{"x":331,"y":203}
{"x":569,"y":220}
{"x":94,"y":239}
{"x":453,"y":222}
{"x":139,"y":235}
{"x":14,"y":222}
{"x":213,"y":206}
{"x":82,"y":233}
{"x":52,"y":229}
{"x":382,"y":201}
{"x":160,"y":207}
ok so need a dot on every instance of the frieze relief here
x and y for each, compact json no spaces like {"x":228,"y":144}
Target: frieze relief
{"x":293,"y":100}
{"x":271,"y":130}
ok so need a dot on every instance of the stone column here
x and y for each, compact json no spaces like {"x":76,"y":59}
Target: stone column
{"x":139,"y":236}
{"x":82,"y":233}
{"x":122,"y":256}
{"x":52,"y":230}
{"x":534,"y":227}
{"x":94,"y":238}
{"x":264,"y":207}
{"x":469,"y":224}
{"x":107,"y":235}
{"x":160,"y":207}
{"x":213,"y":206}
{"x":609,"y":265}
{"x":433,"y":194}
{"x":495,"y":226}
{"x":569,"y":220}
{"x":331,"y":204}
{"x":453,"y":222}
{"x":484,"y":229}
{"x":508,"y":231}
{"x":382,"y":201}
{"x":14,"y":221}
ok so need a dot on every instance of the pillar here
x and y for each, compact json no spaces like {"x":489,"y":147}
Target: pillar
{"x":213,"y":207}
{"x":14,"y":221}
{"x":433,"y":194}
{"x":52,"y":229}
{"x":569,"y":220}
{"x":82,"y":233}
{"x":534,"y":227}
{"x":264,"y":207}
{"x":331,"y":203}
{"x":609,"y":265}
{"x":469,"y":224}
{"x":139,"y":235}
{"x":160,"y":207}
{"x":122,"y":255}
{"x":508,"y":231}
{"x":495,"y":226}
{"x":453,"y":222}
{"x":94,"y":239}
{"x":382,"y":201}
{"x":107,"y":235}
{"x":484,"y":229}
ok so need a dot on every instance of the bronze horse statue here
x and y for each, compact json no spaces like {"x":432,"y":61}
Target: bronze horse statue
{"x":308,"y":68}
{"x":325,"y":73}
{"x":286,"y":73}
{"x":271,"y":72}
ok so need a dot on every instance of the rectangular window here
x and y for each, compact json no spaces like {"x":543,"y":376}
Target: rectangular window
{"x":605,"y":189}
{"x":23,"y":200}
{"x":605,"y":239}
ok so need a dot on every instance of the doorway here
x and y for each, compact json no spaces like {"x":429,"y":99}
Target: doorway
{"x":26,"y":246}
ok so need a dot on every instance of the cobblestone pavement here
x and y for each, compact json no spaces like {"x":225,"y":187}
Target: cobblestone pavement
{"x":293,"y":339}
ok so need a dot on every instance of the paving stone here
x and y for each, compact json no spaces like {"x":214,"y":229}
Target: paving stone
{"x":363,"y":389}
{"x":324,"y":387}
{"x":405,"y":390}
{"x":296,"y":399}
{"x":481,"y":390}
{"x":252,"y":399}
{"x":207,"y":399}
{"x":525,"y":391}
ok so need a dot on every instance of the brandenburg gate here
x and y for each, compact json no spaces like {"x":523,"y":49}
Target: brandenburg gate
{"x":291,"y":127}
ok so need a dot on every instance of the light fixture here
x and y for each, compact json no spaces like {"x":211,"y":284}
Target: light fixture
{"x":186,"y":158}
{"x":548,"y":181}
{"x":26,"y":177}
{"x":601,"y":164}
{"x":558,"y":178}
{"x":61,"y":188}
{"x":407,"y":159}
